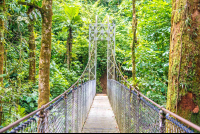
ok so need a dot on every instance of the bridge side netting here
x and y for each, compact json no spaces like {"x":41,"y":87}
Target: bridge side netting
{"x":134,"y":114}
{"x":66,"y":115}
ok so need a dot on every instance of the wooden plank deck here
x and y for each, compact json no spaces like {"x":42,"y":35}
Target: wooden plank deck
{"x":101,"y":118}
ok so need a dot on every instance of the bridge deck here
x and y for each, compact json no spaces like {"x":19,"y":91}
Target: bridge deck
{"x":101,"y":118}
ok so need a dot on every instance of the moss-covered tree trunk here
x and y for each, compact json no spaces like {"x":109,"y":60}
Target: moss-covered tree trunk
{"x":183,"y":95}
{"x":2,"y":9}
{"x":69,"y":47}
{"x":134,"y":28}
{"x":32,"y":51}
{"x":45,"y":53}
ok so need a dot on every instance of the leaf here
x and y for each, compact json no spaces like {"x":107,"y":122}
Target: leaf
{"x":72,"y":12}
{"x":77,"y":18}
{"x":28,"y":99}
{"x":3,"y":75}
{"x":32,"y":104}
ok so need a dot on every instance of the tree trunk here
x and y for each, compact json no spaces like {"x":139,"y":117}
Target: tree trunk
{"x":134,"y":27}
{"x":69,"y":47}
{"x":45,"y":53}
{"x":2,"y":9}
{"x":183,"y":96}
{"x":32,"y":51}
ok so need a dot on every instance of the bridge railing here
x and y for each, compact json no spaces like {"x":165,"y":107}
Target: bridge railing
{"x":64,"y":114}
{"x":135,"y":112}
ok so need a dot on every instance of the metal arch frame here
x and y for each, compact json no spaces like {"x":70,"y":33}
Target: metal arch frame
{"x":100,"y":32}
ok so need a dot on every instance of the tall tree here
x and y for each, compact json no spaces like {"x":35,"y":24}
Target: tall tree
{"x":2,"y":9}
{"x":31,"y":43}
{"x":45,"y":52}
{"x":73,"y":17}
{"x":69,"y":47}
{"x":183,"y":95}
{"x":134,"y":28}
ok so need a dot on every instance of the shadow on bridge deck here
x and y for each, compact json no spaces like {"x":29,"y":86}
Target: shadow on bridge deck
{"x":101,"y":118}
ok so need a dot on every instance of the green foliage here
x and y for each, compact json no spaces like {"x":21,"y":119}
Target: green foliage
{"x":72,"y":13}
{"x":152,"y":50}
{"x":20,"y":96}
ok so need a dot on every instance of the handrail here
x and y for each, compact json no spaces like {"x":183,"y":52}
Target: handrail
{"x":162,"y":108}
{"x":46,"y":105}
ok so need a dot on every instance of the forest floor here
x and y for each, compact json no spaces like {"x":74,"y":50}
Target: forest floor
{"x":103,"y":81}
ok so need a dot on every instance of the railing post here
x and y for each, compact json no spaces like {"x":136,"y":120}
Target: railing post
{"x":125,"y":108}
{"x":82,"y":109}
{"x":121,"y":110}
{"x":129,"y":110}
{"x":77,"y":108}
{"x":81,"y":101}
{"x":66,"y":115}
{"x":84,"y":102}
{"x":138,"y":114}
{"x":41,"y":125}
{"x":162,"y":121}
{"x":73,"y":103}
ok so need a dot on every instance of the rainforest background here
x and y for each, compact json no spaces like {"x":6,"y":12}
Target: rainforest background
{"x":70,"y":29}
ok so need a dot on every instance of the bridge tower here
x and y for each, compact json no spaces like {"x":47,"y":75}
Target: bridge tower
{"x":102,"y":32}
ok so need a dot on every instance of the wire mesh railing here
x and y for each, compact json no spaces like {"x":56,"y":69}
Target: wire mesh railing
{"x":135,"y":113}
{"x":66,"y":115}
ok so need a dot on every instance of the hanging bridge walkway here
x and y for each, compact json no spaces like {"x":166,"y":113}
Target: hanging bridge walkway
{"x":80,"y":110}
{"x":101,"y":118}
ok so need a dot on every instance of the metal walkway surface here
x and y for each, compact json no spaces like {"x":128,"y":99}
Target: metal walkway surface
{"x":101,"y":118}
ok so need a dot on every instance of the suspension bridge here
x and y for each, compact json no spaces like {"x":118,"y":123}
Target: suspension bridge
{"x":79,"y":109}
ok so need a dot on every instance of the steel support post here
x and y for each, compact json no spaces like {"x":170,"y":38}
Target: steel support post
{"x":81,"y":102}
{"x":138,"y":114}
{"x":117,"y":90}
{"x":124,"y":95}
{"x":162,"y":121}
{"x":114,"y":68}
{"x":121,"y":111}
{"x":77,"y":113}
{"x":73,"y":110}
{"x":41,"y":125}
{"x":108,"y":58}
{"x":66,"y":114}
{"x":129,"y":111}
{"x":96,"y":29}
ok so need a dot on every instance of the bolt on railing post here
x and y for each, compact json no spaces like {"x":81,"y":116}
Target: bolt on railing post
{"x":138,"y":113}
{"x":162,"y":121}
{"x":66,"y":116}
